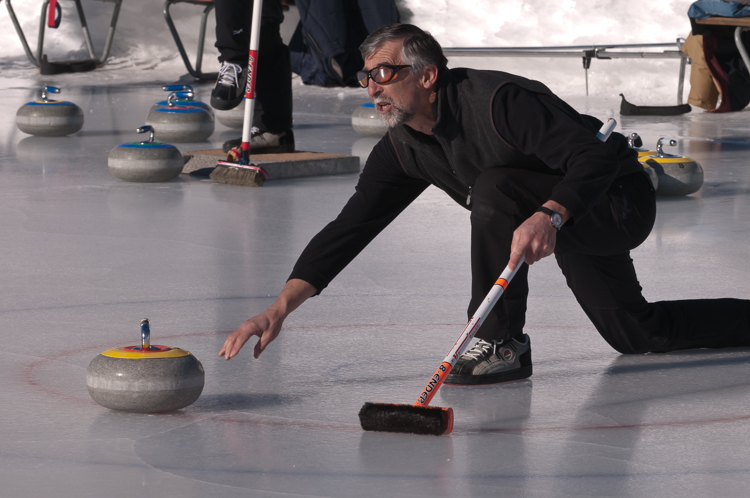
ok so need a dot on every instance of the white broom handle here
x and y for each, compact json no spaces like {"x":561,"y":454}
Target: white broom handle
{"x":481,"y":313}
{"x":252,"y":78}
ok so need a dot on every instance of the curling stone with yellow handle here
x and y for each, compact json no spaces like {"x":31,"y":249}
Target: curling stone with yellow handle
{"x":644,"y":152}
{"x":146,"y":378}
{"x":49,"y":118}
{"x":678,"y":175}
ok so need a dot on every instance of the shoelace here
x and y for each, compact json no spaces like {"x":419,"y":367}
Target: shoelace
{"x":228,"y":74}
{"x":481,"y":348}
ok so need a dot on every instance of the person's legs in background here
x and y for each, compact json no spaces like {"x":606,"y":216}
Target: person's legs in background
{"x":273,"y":87}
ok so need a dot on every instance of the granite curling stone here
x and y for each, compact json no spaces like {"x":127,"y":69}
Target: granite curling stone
{"x":147,"y":161}
{"x":367,"y":122}
{"x":146,"y":378}
{"x":181,"y":123}
{"x":182,"y":95}
{"x":233,"y":118}
{"x":678,"y":175}
{"x":633,"y":139}
{"x":49,"y":118}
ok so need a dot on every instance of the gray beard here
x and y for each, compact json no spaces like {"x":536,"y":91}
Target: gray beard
{"x":397,"y":115}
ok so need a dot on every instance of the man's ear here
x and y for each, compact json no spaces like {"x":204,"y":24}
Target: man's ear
{"x":429,"y":77}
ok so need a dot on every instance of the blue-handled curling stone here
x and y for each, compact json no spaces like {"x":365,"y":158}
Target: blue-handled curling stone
{"x":182,"y":95}
{"x":146,"y":378}
{"x":49,"y":118}
{"x":181,"y":123}
{"x":147,"y":161}
{"x":367,"y":122}
{"x":678,"y":175}
{"x":233,"y":118}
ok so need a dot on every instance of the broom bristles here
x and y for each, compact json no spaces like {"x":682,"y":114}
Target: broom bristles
{"x":414,"y":419}
{"x":232,"y":175}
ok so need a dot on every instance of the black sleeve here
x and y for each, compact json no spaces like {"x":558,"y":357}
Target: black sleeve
{"x":546,"y":127}
{"x":384,"y":190}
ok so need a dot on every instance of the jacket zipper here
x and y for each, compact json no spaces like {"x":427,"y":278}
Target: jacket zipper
{"x":468,"y":197}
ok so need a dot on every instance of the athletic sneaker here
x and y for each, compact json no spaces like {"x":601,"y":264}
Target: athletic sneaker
{"x":230,"y":87}
{"x":493,"y":362}
{"x":264,"y":142}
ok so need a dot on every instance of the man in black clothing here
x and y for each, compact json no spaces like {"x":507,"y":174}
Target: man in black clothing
{"x":273,"y":88}
{"x":537,"y":182}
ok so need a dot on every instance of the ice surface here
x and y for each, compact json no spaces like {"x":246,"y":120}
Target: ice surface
{"x":86,"y":256}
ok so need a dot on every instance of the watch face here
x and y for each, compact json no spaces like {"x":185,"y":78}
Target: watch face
{"x":557,"y":220}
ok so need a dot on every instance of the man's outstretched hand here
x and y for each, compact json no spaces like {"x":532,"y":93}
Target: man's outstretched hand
{"x":536,"y":237}
{"x":267,"y":325}
{"x":264,"y":326}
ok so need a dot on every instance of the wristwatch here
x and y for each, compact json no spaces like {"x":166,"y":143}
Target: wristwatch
{"x":554,"y":217}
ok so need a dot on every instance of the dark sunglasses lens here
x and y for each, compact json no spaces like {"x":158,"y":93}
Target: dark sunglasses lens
{"x":382,"y":74}
{"x":363,"y":78}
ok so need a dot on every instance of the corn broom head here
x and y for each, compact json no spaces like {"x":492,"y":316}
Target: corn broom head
{"x":232,"y":174}
{"x":413,"y":419}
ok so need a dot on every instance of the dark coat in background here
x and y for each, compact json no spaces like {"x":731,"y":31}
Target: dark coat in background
{"x":325,"y":45}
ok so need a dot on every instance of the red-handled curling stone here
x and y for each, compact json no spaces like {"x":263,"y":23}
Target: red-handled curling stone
{"x":146,"y":378}
{"x":49,"y":118}
{"x":181,"y":123}
{"x":678,"y":175}
{"x":644,"y":152}
{"x":147,"y":161}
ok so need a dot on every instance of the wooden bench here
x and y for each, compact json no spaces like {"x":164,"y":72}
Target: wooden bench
{"x":740,"y":23}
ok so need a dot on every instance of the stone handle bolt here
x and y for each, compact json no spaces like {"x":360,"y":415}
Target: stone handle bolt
{"x":660,"y":146}
{"x":146,"y":129}
{"x":145,"y":335}
{"x":49,"y":89}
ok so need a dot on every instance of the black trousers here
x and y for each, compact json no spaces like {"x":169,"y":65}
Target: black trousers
{"x":594,"y":256}
{"x":273,"y":88}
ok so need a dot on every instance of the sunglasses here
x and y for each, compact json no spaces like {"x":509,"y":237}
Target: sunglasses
{"x":381,"y":74}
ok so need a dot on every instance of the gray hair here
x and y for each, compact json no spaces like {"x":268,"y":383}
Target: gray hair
{"x":419,"y":48}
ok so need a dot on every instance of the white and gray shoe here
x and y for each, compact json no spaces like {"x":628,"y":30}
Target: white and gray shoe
{"x":493,"y":362}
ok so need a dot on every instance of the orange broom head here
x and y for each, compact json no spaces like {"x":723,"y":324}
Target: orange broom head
{"x":414,"y":419}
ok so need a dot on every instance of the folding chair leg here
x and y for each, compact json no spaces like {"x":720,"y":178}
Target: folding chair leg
{"x":195,"y":72}
{"x":84,"y":26}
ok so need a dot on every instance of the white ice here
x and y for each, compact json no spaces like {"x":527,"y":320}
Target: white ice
{"x":86,"y":256}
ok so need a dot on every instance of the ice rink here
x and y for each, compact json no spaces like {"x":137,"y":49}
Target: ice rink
{"x":86,"y":256}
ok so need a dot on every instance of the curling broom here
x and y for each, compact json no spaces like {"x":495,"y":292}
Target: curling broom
{"x":420,"y":418}
{"x":237,"y":169}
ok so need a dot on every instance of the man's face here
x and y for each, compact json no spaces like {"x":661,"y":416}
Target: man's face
{"x":396,"y":99}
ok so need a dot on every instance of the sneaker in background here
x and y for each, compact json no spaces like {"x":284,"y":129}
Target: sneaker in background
{"x":229,"y":89}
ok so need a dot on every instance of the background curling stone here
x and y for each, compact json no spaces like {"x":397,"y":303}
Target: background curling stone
{"x":181,"y":95}
{"x":233,"y":118}
{"x":145,"y":378}
{"x":49,"y":118}
{"x":177,"y":123}
{"x":678,"y":175}
{"x":147,"y":161}
{"x":632,"y":140}
{"x":367,"y":122}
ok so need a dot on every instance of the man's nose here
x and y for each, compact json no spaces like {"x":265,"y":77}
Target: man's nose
{"x":373,"y":89}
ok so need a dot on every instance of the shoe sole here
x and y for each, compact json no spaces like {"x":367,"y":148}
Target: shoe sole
{"x":496,"y":378}
{"x":226,"y":105}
